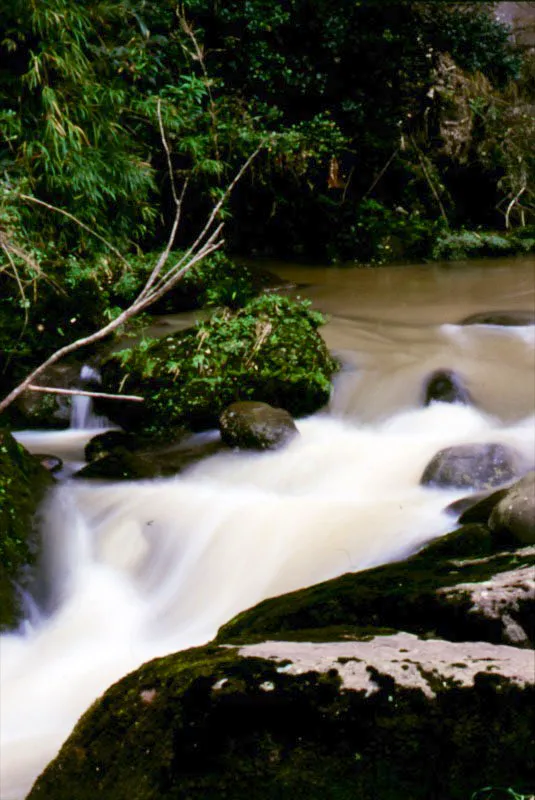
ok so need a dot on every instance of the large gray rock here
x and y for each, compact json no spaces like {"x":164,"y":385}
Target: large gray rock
{"x":480,"y":466}
{"x":445,"y":386}
{"x":515,"y":513}
{"x":387,"y":717}
{"x":256,"y":426}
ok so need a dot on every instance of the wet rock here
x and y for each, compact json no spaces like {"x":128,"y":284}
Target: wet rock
{"x":515,"y":512}
{"x":479,"y":466}
{"x":143,"y":461}
{"x":505,"y":318}
{"x":52,"y":463}
{"x":103,"y":444}
{"x":256,"y":426}
{"x":23,"y":483}
{"x":445,"y":386}
{"x":392,"y":717}
{"x":43,"y":410}
{"x":475,"y":508}
{"x":406,"y":596}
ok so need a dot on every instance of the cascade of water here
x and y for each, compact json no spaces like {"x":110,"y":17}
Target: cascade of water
{"x":82,"y":415}
{"x":131,"y":575}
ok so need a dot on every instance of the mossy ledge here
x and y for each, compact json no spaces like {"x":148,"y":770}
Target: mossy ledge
{"x":210,"y":723}
{"x":405,"y":595}
{"x":23,"y":482}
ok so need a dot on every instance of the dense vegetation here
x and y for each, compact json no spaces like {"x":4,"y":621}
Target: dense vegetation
{"x":385,"y":128}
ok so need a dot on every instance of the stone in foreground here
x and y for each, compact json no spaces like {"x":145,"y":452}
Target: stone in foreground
{"x":393,"y":717}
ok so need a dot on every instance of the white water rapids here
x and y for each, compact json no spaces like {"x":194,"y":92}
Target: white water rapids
{"x":133,"y":571}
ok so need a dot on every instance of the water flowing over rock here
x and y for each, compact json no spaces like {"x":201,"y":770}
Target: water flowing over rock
{"x":480,"y":466}
{"x":256,"y":426}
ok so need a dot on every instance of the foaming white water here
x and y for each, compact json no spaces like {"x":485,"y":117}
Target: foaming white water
{"x":387,"y":366}
{"x":136,"y":571}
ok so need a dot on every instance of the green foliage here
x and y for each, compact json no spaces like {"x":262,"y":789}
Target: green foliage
{"x":458,"y":245}
{"x":269,"y":350}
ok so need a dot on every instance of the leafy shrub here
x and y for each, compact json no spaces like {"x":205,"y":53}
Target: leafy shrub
{"x":459,"y":245}
{"x":270,"y":350}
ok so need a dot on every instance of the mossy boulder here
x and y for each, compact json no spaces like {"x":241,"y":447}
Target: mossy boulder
{"x":249,"y":425}
{"x":478,"y":466}
{"x":433,"y":594}
{"x":269,"y":351}
{"x":299,"y":723}
{"x":23,"y":482}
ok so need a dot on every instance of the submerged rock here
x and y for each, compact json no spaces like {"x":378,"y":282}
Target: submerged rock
{"x":480,"y":466}
{"x":256,"y":426}
{"x":515,"y":512}
{"x":505,"y":318}
{"x":445,"y":386}
{"x":393,"y":717}
{"x":23,"y":482}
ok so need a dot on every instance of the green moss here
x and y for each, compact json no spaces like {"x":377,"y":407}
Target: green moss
{"x":210,"y":724}
{"x":401,"y":596}
{"x":269,"y":351}
{"x":22,"y":484}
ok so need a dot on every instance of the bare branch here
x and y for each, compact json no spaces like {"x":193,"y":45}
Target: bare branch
{"x":207,"y":241}
{"x":54,"y":390}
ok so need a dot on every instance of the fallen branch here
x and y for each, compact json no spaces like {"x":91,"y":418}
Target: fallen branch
{"x":159,"y":282}
{"x":53,"y":390}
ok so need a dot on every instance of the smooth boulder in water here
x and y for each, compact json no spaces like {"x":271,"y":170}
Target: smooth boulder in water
{"x":444,"y":386}
{"x":515,"y":513}
{"x":248,"y":425}
{"x":479,"y":466}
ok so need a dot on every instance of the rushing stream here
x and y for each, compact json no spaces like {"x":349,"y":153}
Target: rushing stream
{"x":132,"y":571}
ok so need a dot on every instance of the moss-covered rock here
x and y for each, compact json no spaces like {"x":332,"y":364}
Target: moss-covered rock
{"x":415,"y":595}
{"x":216,"y":723}
{"x":23,"y":482}
{"x":270,"y":351}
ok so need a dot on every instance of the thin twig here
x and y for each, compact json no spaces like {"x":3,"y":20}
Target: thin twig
{"x":53,"y":390}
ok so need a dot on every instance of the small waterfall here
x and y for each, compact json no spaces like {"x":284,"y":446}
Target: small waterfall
{"x":82,"y":415}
